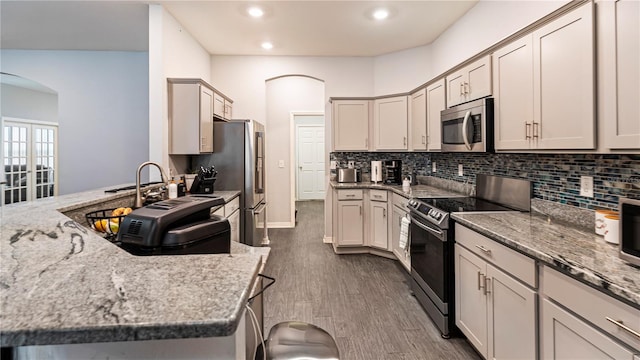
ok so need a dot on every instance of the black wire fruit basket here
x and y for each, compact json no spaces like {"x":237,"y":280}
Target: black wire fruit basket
{"x":107,"y":221}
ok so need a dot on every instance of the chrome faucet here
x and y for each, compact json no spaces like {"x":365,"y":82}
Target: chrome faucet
{"x":139,"y":198}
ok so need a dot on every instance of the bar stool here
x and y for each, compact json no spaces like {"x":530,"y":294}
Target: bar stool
{"x":291,"y":340}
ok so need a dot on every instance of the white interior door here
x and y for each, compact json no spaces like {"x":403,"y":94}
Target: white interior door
{"x":310,"y":174}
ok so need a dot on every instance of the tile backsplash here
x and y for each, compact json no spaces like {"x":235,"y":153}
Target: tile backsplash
{"x":555,"y":177}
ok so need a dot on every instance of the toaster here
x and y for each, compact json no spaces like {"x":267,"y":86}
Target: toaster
{"x":348,"y":175}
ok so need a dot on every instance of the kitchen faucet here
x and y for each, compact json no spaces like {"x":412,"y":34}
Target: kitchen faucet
{"x":139,"y":198}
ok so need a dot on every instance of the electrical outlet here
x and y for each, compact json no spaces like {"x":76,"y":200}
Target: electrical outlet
{"x":280,"y":163}
{"x":586,"y":186}
{"x":433,"y":166}
{"x":351,"y":164}
{"x":460,"y":171}
{"x":333,"y":165}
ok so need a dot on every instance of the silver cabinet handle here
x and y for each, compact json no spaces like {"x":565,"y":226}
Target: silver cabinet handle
{"x":536,"y":130}
{"x":461,"y":88}
{"x":479,"y":281}
{"x":405,"y":141}
{"x":527,"y":127}
{"x":487,"y":283}
{"x":424,"y":139}
{"x":466,"y":87}
{"x":384,"y":212}
{"x":377,"y":196}
{"x":360,"y":210}
{"x":350,"y":195}
{"x":484,"y":249}
{"x":624,"y":327}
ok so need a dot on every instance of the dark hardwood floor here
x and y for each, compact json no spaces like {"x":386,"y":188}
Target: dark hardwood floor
{"x":363,"y":301}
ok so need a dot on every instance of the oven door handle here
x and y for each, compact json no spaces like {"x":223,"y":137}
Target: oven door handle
{"x":434,"y":231}
{"x":465,"y":122}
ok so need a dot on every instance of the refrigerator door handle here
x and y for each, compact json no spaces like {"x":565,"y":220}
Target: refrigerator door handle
{"x":260,"y":208}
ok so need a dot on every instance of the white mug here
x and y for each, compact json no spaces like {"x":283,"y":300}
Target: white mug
{"x":406,"y":185}
{"x":611,"y":234}
{"x":601,"y":225}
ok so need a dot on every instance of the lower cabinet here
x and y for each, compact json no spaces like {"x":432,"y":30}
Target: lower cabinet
{"x":378,"y":219}
{"x":495,"y":310}
{"x":397,"y":213}
{"x":564,"y":336}
{"x":350,"y":206}
{"x":234,"y":222}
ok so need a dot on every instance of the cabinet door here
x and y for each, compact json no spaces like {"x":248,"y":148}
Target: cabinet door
{"x":436,"y":102}
{"x":351,"y":125}
{"x":379,"y":224}
{"x":218,"y":105}
{"x":619,"y":73}
{"x":471,"y":302}
{"x":513,"y":90}
{"x":396,"y":222}
{"x":455,"y":87}
{"x":418,"y":120}
{"x":512,"y":317}
{"x":228,"y":109}
{"x":563,"y":82}
{"x":234,"y":223}
{"x":564,"y":336}
{"x":206,"y":120}
{"x":478,"y":76}
{"x":390,"y":123}
{"x":350,"y":223}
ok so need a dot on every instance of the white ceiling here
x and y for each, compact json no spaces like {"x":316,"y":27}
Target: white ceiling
{"x":304,"y":28}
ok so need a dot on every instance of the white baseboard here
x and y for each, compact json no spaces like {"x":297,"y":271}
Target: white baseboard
{"x":281,"y":225}
{"x":327,"y":239}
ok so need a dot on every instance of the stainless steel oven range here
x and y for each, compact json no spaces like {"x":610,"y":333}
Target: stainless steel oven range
{"x":432,"y":239}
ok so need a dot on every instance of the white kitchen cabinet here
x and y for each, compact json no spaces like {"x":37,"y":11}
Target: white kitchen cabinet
{"x":234,"y":223}
{"x":436,"y":102}
{"x":350,"y":125}
{"x":378,"y":219}
{"x":469,"y":83}
{"x":418,"y":120}
{"x":618,"y":72}
{"x":231,"y":210}
{"x":566,"y":337}
{"x":350,"y":207}
{"x":228,"y":109}
{"x":398,"y":211}
{"x":190,"y":118}
{"x":391,"y":123}
{"x":495,"y":308}
{"x":218,"y":105}
{"x":544,"y":86}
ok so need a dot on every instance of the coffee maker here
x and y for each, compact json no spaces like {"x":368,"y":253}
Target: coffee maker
{"x":392,"y":172}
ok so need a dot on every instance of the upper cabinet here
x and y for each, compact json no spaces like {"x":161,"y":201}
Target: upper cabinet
{"x":350,"y":125}
{"x":544,"y":86}
{"x":436,"y":102}
{"x":469,"y":83}
{"x":222,"y":107}
{"x":418,"y":120}
{"x":390,"y":123}
{"x":190,"y":118}
{"x":619,"y":73}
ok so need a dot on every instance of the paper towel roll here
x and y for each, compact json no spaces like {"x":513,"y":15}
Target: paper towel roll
{"x":376,"y":171}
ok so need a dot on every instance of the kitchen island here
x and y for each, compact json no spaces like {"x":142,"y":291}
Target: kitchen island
{"x":62,"y":283}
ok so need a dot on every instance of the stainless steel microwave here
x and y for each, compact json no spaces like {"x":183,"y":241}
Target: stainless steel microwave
{"x":630,"y":230}
{"x":468,"y":127}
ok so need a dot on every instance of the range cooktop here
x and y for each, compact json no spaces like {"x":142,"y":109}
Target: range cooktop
{"x":463,"y":204}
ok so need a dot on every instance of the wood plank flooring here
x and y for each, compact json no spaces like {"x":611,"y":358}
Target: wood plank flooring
{"x":363,"y":301}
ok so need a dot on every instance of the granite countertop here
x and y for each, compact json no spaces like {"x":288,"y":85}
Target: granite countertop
{"x":576,"y":251}
{"x":62,"y":283}
{"x":417,"y":191}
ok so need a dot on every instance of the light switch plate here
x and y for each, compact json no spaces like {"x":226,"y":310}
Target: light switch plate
{"x":586,"y":186}
{"x":333,"y":165}
{"x":280,"y":163}
{"x":460,"y":170}
{"x":433,"y":166}
{"x":351,"y":164}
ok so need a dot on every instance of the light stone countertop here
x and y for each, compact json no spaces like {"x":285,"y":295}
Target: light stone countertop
{"x":62,"y":283}
{"x":575,"y":251}
{"x":417,"y":191}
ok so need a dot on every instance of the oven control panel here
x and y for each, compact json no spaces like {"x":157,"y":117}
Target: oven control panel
{"x":430,"y":213}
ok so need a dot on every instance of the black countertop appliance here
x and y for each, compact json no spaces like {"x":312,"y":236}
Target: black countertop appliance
{"x":177,"y":226}
{"x":204,"y":180}
{"x":392,"y":172}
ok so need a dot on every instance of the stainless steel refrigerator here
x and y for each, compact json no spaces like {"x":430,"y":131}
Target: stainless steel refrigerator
{"x":238,"y":156}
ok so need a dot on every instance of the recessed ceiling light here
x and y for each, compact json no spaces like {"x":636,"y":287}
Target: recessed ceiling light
{"x":380,"y":14}
{"x":267,"y":45}
{"x":255,"y":12}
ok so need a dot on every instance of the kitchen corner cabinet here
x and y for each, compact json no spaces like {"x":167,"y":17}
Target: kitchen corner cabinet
{"x":390,"y":123}
{"x":436,"y":102}
{"x":469,"y":83}
{"x":190,"y":118}
{"x":544,"y":86}
{"x":378,"y":219}
{"x":618,"y":72}
{"x":350,"y":210}
{"x":350,"y":125}
{"x":418,"y":120}
{"x":495,"y":299}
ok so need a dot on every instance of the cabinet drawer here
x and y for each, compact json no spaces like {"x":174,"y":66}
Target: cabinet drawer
{"x":378,"y":195}
{"x":593,"y":305}
{"x":232,"y":206}
{"x":218,"y":211}
{"x":400,"y":201}
{"x":354,"y":194}
{"x":518,"y":265}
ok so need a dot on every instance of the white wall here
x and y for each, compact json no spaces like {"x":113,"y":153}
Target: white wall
{"x":23,"y":103}
{"x":283,"y":96}
{"x":102,"y":111}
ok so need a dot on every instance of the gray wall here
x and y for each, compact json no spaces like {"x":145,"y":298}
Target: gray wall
{"x":103,"y":111}
{"x":23,"y":103}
